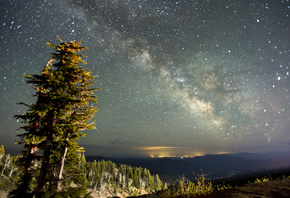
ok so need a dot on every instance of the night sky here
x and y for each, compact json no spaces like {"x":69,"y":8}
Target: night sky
{"x":187,"y":77}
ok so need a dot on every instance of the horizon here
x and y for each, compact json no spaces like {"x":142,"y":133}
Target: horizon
{"x":194,"y":154}
{"x":158,"y":153}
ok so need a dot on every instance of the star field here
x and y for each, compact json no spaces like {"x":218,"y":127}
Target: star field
{"x":177,"y":77}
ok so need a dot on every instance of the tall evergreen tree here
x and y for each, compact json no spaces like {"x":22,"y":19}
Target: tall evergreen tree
{"x":64,"y":108}
{"x":2,"y":152}
{"x":158,"y":183}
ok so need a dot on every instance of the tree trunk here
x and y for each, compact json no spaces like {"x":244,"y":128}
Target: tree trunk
{"x":44,"y":168}
{"x":28,"y":162}
{"x":61,"y":169}
{"x":6,"y":164}
{"x":12,"y":170}
{"x":42,"y":179}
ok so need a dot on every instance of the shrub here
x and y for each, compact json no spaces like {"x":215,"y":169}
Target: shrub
{"x":263,"y":179}
{"x":186,"y":188}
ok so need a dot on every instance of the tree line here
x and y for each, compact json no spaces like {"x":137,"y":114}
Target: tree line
{"x":98,"y":175}
{"x":122,"y":178}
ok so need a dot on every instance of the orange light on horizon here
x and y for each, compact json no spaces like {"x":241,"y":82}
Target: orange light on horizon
{"x":222,"y":152}
{"x":150,"y":148}
{"x":198,"y":154}
{"x":171,"y":151}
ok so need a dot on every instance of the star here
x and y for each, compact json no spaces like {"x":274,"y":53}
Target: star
{"x":184,"y":76}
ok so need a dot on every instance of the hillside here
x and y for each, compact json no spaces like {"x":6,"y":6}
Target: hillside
{"x":103,"y":178}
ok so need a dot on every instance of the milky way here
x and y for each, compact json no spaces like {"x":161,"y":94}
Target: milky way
{"x":177,"y":77}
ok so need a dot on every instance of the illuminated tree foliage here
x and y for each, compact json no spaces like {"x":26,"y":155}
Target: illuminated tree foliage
{"x":64,"y":108}
{"x":121,"y":179}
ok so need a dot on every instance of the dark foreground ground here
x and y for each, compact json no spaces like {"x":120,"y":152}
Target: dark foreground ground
{"x":269,"y":189}
{"x":275,"y":188}
{"x":279,"y":188}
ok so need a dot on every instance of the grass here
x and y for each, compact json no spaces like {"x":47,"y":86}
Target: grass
{"x":186,"y":188}
{"x":263,"y":179}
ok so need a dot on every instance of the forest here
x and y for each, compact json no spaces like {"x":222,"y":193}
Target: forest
{"x":119,"y":180}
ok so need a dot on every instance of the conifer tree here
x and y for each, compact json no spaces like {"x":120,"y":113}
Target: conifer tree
{"x":158,"y":183}
{"x":136,"y":179}
{"x":151,"y":181}
{"x":2,"y":152}
{"x":64,"y":108}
